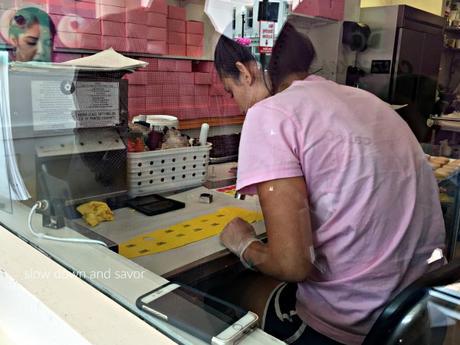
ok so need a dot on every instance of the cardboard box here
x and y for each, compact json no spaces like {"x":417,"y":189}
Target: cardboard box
{"x":187,"y":101}
{"x":137,"y":91}
{"x":171,"y":90}
{"x":115,"y":42}
{"x":203,"y":78}
{"x":201,"y":100}
{"x":87,"y":41}
{"x":118,"y":3}
{"x":136,"y":44}
{"x":167,"y":65}
{"x":86,"y":9}
{"x":157,"y":20}
{"x":137,"y":78}
{"x":333,"y":9}
{"x":176,"y":50}
{"x":217,"y":90}
{"x":62,"y":7}
{"x":109,"y":28}
{"x":158,"y":6}
{"x":177,"y":38}
{"x":136,"y":105}
{"x":156,"y":78}
{"x":186,"y":90}
{"x":152,"y":64}
{"x":113,"y":13}
{"x":201,"y":90}
{"x":187,"y":78}
{"x":153,"y":105}
{"x":157,"y":47}
{"x":156,"y":34}
{"x":203,"y":67}
{"x":183,"y":66}
{"x":136,"y":16}
{"x":176,"y":25}
{"x":196,"y":40}
{"x":136,"y":31}
{"x":193,"y":51}
{"x":195,"y":27}
{"x":175,"y":12}
{"x":63,"y":57}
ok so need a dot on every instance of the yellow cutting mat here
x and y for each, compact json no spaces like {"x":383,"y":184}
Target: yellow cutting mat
{"x":186,"y":232}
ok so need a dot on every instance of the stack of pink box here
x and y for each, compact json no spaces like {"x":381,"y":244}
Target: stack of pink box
{"x":113,"y":23}
{"x":177,"y":40}
{"x":156,"y":31}
{"x":180,"y":88}
{"x":333,"y":9}
{"x":195,"y":38}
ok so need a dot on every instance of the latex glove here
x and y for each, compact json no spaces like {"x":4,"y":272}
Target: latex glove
{"x":237,"y":236}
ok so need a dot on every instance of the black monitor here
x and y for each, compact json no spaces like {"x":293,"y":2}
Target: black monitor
{"x":271,"y":13}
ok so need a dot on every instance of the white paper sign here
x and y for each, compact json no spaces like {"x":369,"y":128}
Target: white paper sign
{"x":267,"y":36}
{"x":67,"y":104}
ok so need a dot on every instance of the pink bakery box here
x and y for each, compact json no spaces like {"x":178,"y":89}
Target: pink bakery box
{"x":153,"y":101}
{"x":152,"y":64}
{"x":193,"y":51}
{"x":153,"y":90}
{"x":87,"y":41}
{"x":203,"y":78}
{"x":156,"y":77}
{"x":183,"y":66}
{"x":137,"y":103}
{"x":167,"y":65}
{"x":195,"y":40}
{"x":173,"y":78}
{"x":136,"y":16}
{"x":63,"y":57}
{"x":158,"y":6}
{"x":136,"y":44}
{"x":65,"y":40}
{"x":217,"y":90}
{"x":177,"y":38}
{"x":201,"y":90}
{"x":176,"y":50}
{"x":137,"y":78}
{"x":231,"y":110}
{"x":203,"y":66}
{"x":136,"y":91}
{"x":170,"y":101}
{"x":76,"y":24}
{"x":187,"y":78}
{"x":332,"y":9}
{"x":62,"y":7}
{"x":86,"y":9}
{"x":170,"y":90}
{"x":157,"y":47}
{"x":117,"y":3}
{"x":115,"y":42}
{"x":195,"y":27}
{"x":156,"y":34}
{"x":187,"y":100}
{"x":112,"y":13}
{"x":201,"y":100}
{"x":109,"y":28}
{"x":137,"y":31}
{"x":186,"y":90}
{"x":157,"y":20}
{"x":175,"y":12}
{"x":176,"y":25}
{"x":89,"y":26}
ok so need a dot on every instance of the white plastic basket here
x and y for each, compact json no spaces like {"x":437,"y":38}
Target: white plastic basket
{"x":168,"y":170}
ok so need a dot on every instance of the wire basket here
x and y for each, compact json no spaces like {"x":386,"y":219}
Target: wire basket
{"x":168,"y":170}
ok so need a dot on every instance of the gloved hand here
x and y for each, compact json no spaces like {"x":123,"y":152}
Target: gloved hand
{"x":237,"y":236}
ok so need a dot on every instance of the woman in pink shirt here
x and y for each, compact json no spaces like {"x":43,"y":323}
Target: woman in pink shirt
{"x":350,"y":203}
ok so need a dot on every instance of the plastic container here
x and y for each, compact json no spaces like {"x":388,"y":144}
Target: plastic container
{"x":158,"y":122}
{"x":168,"y":170}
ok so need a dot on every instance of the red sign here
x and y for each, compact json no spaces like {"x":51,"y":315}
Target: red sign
{"x":266,"y":36}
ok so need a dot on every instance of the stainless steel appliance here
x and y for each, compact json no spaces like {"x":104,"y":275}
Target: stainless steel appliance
{"x":402,"y":60}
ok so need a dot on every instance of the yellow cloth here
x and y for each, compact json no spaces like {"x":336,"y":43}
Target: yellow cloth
{"x":186,"y":232}
{"x":94,"y":212}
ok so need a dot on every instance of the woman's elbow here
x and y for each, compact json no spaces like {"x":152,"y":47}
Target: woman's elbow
{"x":296,"y":270}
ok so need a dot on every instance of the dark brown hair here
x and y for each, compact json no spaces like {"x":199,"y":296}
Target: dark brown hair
{"x":227,"y":54}
{"x":293,"y":53}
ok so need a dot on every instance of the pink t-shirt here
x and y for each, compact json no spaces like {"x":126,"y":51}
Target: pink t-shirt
{"x":376,"y":216}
